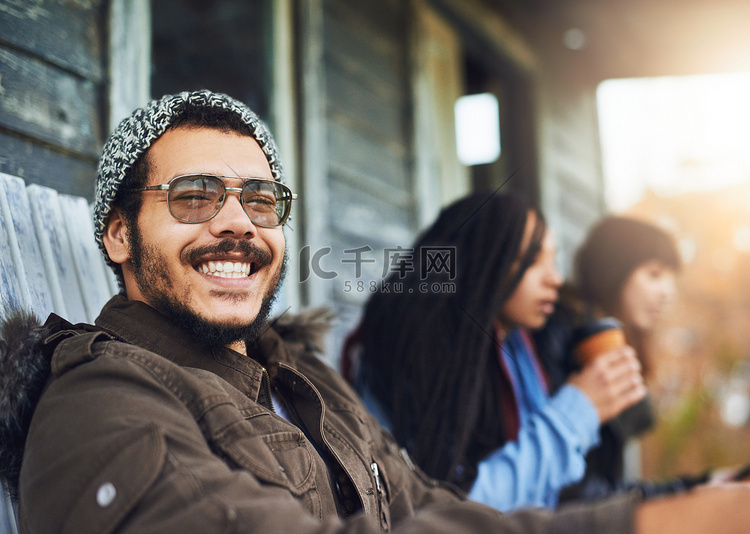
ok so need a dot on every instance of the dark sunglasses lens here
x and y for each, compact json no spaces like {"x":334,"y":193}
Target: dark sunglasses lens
{"x":266,"y":203}
{"x":195,"y":199}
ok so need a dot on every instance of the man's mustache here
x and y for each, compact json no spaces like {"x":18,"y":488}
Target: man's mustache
{"x":252,"y":252}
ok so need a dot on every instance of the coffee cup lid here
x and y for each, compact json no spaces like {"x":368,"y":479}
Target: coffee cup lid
{"x":594,"y":327}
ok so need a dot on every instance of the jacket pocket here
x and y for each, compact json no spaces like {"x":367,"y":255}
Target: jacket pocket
{"x":280,"y":458}
{"x":108,"y":496}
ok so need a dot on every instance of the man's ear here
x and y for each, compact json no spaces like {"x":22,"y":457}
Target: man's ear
{"x":115,"y":237}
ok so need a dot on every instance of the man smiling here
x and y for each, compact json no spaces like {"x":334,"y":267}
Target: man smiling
{"x":212,"y":275}
{"x":184,"y":410}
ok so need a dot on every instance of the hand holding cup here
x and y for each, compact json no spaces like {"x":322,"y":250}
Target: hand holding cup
{"x":611,"y":376}
{"x":598,"y":338}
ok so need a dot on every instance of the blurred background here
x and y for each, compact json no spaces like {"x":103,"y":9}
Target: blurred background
{"x":675,"y":153}
{"x":386,"y":110}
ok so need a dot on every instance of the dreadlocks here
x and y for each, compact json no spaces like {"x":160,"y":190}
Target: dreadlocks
{"x":428,"y":353}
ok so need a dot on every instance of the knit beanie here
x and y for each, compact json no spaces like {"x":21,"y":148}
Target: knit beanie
{"x":135,"y":134}
{"x":614,"y":248}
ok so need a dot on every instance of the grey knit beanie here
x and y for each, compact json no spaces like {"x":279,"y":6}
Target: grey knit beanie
{"x":135,"y":134}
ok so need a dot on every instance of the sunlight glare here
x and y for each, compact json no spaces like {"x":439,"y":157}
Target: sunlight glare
{"x":673,"y":135}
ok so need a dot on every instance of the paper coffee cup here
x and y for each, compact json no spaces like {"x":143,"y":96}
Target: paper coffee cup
{"x":598,"y":338}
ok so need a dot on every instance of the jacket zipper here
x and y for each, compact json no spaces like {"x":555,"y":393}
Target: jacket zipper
{"x":266,"y":381}
{"x":379,"y":488}
{"x":376,"y":473}
{"x":331,"y":451}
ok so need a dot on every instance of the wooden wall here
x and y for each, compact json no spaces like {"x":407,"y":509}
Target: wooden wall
{"x":221,"y":46}
{"x":572,"y":185}
{"x":52,"y":78}
{"x":572,"y":182}
{"x":357,"y":175}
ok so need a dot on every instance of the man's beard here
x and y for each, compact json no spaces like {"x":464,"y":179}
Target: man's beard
{"x":153,"y":280}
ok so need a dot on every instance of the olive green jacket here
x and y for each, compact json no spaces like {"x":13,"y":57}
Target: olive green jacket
{"x":140,"y":428}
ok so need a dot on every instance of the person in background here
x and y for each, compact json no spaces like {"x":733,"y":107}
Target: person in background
{"x":455,"y":374}
{"x":625,"y":269}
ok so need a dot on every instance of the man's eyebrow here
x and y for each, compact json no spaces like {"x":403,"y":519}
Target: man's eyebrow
{"x":220,"y":174}
{"x":232,"y":169}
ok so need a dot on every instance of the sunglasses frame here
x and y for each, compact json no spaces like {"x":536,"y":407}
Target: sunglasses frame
{"x":283,"y":218}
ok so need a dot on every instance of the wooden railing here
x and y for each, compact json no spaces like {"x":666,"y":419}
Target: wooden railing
{"x":49,"y":262}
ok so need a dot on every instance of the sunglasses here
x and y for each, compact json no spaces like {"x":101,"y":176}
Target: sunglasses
{"x":197,"y":198}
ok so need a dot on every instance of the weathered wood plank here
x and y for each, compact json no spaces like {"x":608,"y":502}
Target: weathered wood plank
{"x":68,"y":34}
{"x":365,"y":69}
{"x":229,"y":53}
{"x":379,"y":114}
{"x":397,"y":197}
{"x":385,"y":17}
{"x":8,"y":521}
{"x":314,"y":202}
{"x":130,"y":35}
{"x":57,"y":253}
{"x":358,"y":214}
{"x":41,"y":165}
{"x":352,"y":150}
{"x":86,"y":255}
{"x":29,"y":261}
{"x":11,"y":288}
{"x":46,"y":103}
{"x":372,"y":54}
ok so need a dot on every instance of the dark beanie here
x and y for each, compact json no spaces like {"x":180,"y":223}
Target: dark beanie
{"x":614,"y":248}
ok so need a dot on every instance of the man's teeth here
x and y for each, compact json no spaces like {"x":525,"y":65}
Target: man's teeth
{"x":225,"y":269}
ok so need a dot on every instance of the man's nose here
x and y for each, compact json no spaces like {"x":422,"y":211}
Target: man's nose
{"x":232,"y":218}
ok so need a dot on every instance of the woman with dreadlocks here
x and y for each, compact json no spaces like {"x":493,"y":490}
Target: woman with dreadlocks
{"x":452,"y":371}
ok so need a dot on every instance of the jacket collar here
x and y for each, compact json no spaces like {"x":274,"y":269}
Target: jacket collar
{"x":139,"y":324}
